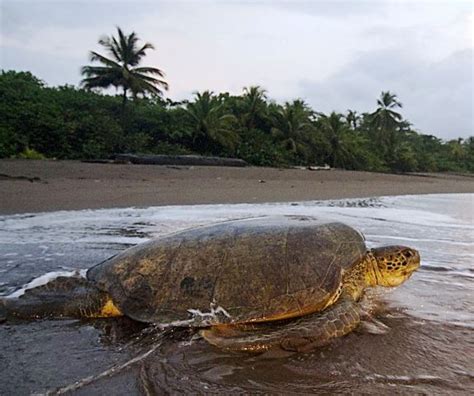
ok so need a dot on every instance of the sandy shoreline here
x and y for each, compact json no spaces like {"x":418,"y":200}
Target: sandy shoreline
{"x":35,"y":186}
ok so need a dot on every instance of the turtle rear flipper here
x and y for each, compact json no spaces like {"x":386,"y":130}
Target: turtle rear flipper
{"x":61,"y":297}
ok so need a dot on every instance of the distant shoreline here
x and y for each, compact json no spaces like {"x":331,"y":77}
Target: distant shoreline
{"x":37,"y":186}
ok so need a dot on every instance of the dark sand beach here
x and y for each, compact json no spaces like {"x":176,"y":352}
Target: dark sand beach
{"x":35,"y":186}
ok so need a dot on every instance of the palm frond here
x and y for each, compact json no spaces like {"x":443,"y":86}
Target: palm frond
{"x":104,"y":81}
{"x":140,"y":86}
{"x":150,"y":80}
{"x":146,"y":87}
{"x":110,"y":45}
{"x":98,"y":70}
{"x":96,"y":57}
{"x":149,"y":70}
{"x":140,"y":53}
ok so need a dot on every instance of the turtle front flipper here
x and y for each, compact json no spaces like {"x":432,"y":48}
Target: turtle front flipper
{"x":319,"y":329}
{"x":61,"y":297}
{"x":300,"y":335}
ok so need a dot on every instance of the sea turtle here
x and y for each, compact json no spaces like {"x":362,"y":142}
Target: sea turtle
{"x":292,"y":282}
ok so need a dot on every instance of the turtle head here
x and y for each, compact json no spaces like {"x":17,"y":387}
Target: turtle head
{"x":393,"y":265}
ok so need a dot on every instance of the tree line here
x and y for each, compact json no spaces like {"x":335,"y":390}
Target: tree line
{"x":68,"y":122}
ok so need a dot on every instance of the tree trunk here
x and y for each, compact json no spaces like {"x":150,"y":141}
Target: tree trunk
{"x":124,"y":103}
{"x":124,"y":98}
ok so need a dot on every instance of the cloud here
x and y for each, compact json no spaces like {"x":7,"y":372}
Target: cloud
{"x":437,"y":96}
{"x":338,"y":9}
{"x":20,"y":17}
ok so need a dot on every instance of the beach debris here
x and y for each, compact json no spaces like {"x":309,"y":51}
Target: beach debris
{"x":317,"y":168}
{"x":197,"y":160}
{"x":313,"y":167}
{"x":98,"y":161}
{"x":30,"y":179}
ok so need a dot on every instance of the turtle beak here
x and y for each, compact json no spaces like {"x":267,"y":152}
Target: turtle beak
{"x":413,"y":261}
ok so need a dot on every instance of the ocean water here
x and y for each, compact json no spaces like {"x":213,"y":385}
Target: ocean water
{"x":426,"y":346}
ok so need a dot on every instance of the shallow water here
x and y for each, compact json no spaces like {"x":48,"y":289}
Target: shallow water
{"x":427,"y":348}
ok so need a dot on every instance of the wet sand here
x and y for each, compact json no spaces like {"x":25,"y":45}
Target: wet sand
{"x":414,"y":358}
{"x":36,"y":186}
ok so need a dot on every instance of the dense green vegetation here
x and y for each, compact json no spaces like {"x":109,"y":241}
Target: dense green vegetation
{"x":68,"y":122}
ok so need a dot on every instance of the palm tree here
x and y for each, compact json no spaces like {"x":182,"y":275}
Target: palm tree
{"x":469,"y":150}
{"x":385,"y":121}
{"x":255,"y":106}
{"x":291,"y":123}
{"x":121,"y":69}
{"x":353,"y":119}
{"x":456,"y":149}
{"x":211,"y":125}
{"x":336,"y":131}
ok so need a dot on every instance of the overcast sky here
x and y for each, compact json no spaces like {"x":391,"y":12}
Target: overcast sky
{"x":337,"y":55}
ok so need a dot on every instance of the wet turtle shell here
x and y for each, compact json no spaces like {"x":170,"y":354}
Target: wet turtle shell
{"x":256,"y":270}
